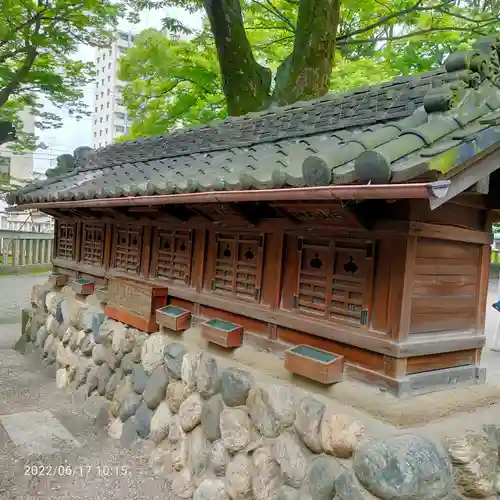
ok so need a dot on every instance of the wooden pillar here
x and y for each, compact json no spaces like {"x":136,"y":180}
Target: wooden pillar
{"x":41,"y":248}
{"x":22,"y":252}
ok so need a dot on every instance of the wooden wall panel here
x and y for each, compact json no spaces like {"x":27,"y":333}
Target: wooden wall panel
{"x":209,"y":267}
{"x":185,"y":304}
{"x":445,"y":286}
{"x":199,"y":258}
{"x":249,"y":324}
{"x":382,"y":282}
{"x":290,"y":277}
{"x":271,"y":273}
{"x":450,"y":213}
{"x":397,"y":273}
{"x":421,"y":364}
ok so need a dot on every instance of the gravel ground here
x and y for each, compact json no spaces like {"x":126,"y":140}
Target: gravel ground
{"x":93,"y":466}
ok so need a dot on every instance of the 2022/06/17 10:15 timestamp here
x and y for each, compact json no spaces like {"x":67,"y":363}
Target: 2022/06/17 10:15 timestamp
{"x":77,"y":470}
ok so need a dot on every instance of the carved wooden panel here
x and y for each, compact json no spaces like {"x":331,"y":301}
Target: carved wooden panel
{"x":320,"y":214}
{"x":93,"y":244}
{"x":127,"y":248}
{"x":135,"y":303}
{"x":238,"y":266}
{"x":335,"y":278}
{"x":219,"y":212}
{"x":66,"y":240}
{"x":172,"y":254}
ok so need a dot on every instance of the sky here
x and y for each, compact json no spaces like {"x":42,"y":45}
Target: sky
{"x":76,"y":133}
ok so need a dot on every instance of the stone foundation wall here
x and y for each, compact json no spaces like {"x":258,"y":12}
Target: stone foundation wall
{"x":216,"y":434}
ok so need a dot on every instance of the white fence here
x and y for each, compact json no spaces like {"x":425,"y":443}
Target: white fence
{"x":22,"y":248}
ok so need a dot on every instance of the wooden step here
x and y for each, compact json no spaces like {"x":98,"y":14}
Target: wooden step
{"x":58,"y":279}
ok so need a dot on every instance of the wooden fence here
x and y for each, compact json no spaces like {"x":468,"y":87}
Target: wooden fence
{"x":22,"y":249}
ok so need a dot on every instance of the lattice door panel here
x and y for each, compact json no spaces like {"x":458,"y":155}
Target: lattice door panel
{"x":349,"y":282}
{"x":225,"y":263}
{"x":174,"y":251}
{"x":66,"y":241}
{"x":334,"y":279}
{"x":238,"y":266}
{"x":127,"y":254}
{"x":314,"y":271}
{"x":93,"y":244}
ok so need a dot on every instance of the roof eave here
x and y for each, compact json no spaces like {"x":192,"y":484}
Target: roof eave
{"x":417,"y":190}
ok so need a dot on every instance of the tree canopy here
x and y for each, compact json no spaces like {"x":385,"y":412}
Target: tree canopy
{"x":38,"y":41}
{"x":276,"y":52}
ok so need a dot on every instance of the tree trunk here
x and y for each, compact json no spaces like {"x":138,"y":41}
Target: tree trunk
{"x":245,"y":82}
{"x":305,"y":74}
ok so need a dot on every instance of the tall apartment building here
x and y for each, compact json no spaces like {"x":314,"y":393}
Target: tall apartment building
{"x":109,"y":118}
{"x":17,"y":169}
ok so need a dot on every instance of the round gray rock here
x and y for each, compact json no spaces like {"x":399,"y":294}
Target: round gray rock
{"x":345,"y":489}
{"x":129,"y":434}
{"x":139,"y":378}
{"x":112,"y":384}
{"x":129,"y":406}
{"x":156,"y":387}
{"x":41,"y":336}
{"x":87,"y":345}
{"x":406,"y":467}
{"x":234,"y":386}
{"x":103,"y":375}
{"x":319,"y":483}
{"x":142,"y":419}
{"x":210,"y":417}
{"x":308,"y":422}
{"x":207,"y":376}
{"x":92,"y":379}
{"x":172,"y":355}
{"x":127,"y":364}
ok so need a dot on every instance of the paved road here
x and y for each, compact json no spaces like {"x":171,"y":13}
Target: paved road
{"x":50,"y":449}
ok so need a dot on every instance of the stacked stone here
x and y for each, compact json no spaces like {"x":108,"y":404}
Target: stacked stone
{"x":217,"y":434}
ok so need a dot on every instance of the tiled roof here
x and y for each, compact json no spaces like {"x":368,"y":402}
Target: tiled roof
{"x":393,"y":132}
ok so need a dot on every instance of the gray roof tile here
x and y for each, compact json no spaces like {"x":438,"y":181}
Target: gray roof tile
{"x":395,"y":131}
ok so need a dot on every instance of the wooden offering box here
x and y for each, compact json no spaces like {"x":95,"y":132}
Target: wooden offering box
{"x":83,"y":287}
{"x":316,"y":364}
{"x":102,"y":293}
{"x":58,"y":279}
{"x":174,"y":318}
{"x":135,"y":303}
{"x":222,"y":333}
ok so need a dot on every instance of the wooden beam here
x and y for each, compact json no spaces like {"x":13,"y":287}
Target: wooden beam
{"x":179,"y":212}
{"x":246,"y":213}
{"x":468,"y":176}
{"x":453,"y":233}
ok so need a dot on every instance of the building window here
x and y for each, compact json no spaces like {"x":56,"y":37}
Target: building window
{"x":98,"y":59}
{"x":110,"y":51}
{"x":102,"y":69}
{"x":238,"y":265}
{"x":109,"y":78}
{"x":109,"y":65}
{"x":96,"y":97}
{"x":172,"y":251}
{"x":109,"y":91}
{"x":107,"y":104}
{"x":102,"y":95}
{"x":100,"y":119}
{"x":127,"y":248}
{"x":95,"y":134}
{"x":106,"y":131}
{"x":335,"y":279}
{"x":107,"y":117}
{"x":4,"y":169}
{"x":93,"y":244}
{"x":95,"y":109}
{"x":102,"y":82}
{"x":95,"y":121}
{"x":120,"y":129}
{"x":120,"y":116}
{"x":102,"y":107}
{"x":119,"y":102}
{"x":66,"y":240}
{"x":100,"y":132}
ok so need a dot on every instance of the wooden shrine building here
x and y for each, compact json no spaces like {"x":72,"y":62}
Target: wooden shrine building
{"x":357,"y":223}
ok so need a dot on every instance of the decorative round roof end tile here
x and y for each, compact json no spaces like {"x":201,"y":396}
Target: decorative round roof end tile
{"x":371,"y":166}
{"x":316,"y":172}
